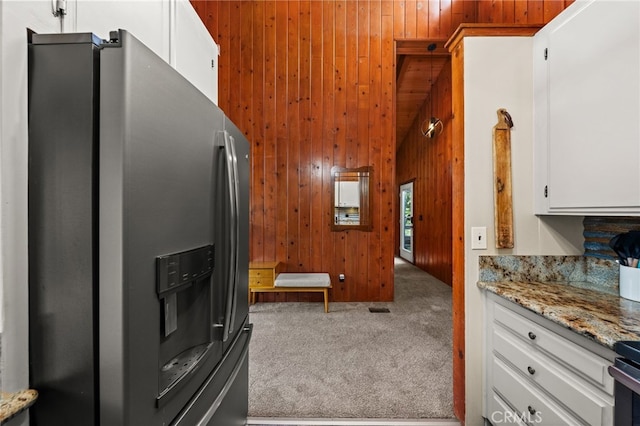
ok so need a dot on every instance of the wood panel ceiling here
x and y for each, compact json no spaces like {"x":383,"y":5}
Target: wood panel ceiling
{"x":416,"y":70}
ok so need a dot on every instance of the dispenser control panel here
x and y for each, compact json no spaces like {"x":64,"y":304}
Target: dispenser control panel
{"x":178,"y":269}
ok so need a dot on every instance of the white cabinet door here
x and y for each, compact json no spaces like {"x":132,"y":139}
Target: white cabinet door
{"x":588,"y":58}
{"x":347,"y":194}
{"x":196,"y":54}
{"x":148,"y":21}
{"x":171,"y":28}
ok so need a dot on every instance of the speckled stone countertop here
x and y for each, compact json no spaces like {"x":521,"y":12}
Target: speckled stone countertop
{"x":577,"y":293}
{"x":12,"y":404}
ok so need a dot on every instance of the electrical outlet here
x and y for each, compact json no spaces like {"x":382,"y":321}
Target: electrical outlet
{"x":479,"y":238}
{"x":341,"y":277}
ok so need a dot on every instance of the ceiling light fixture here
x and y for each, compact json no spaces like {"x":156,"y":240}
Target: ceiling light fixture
{"x":433,"y":126}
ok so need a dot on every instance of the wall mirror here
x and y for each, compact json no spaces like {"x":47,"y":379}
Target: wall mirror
{"x":351,"y":207}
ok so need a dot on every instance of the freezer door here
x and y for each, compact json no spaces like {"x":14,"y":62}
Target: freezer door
{"x":227,"y":387}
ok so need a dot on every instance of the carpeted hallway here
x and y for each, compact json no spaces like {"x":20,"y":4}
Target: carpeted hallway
{"x":353,"y":363}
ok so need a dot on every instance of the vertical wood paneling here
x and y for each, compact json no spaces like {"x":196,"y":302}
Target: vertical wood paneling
{"x":410,"y":19}
{"x":385,"y":157}
{"x":339,"y":147}
{"x":235,"y":61}
{"x":446,"y":17}
{"x":257,"y":228}
{"x":292,"y":166}
{"x":269,"y":124}
{"x":311,"y":85}
{"x":318,"y":220}
{"x":328,"y":134}
{"x":423,"y":29}
{"x":535,"y":11}
{"x":520,"y":14}
{"x":222,"y":37}
{"x":508,"y":11}
{"x":246,"y":51}
{"x":282,"y":136}
{"x":351,"y":247}
{"x":304,"y":140}
{"x":399,"y":7}
{"x":519,"y":11}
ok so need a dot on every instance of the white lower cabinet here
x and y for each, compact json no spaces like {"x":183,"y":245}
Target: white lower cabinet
{"x":539,"y":373}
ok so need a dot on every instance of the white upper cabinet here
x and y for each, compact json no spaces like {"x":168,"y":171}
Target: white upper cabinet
{"x":171,"y":28}
{"x":196,"y":54}
{"x":148,"y":21}
{"x":587,"y":110}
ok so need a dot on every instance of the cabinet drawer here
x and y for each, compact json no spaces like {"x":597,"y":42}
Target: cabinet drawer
{"x":559,"y":382}
{"x":261,"y":274}
{"x":531,"y":405}
{"x":500,"y":413}
{"x":260,"y":282}
{"x":586,"y":364}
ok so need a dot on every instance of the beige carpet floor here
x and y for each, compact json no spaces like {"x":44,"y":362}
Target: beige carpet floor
{"x":351,"y":362}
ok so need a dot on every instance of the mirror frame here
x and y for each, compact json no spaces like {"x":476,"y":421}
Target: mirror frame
{"x":366,"y":198}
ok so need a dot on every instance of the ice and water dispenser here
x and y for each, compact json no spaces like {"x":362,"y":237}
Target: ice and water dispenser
{"x":184,"y":287}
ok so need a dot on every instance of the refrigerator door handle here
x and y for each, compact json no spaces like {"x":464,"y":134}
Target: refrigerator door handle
{"x":232,"y":165}
{"x":236,"y":230}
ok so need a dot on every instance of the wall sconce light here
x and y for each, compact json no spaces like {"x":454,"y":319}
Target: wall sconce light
{"x":432,"y":127}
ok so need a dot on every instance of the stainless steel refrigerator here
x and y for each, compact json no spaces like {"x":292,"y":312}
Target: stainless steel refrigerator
{"x":138,"y":241}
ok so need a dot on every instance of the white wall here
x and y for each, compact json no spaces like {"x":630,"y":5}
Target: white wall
{"x":498,"y":73}
{"x":150,"y":21}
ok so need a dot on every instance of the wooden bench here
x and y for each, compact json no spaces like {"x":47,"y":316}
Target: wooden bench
{"x":312,"y":282}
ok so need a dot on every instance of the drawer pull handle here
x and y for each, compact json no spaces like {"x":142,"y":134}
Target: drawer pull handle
{"x":531,"y":370}
{"x":531,"y":410}
{"x":532,"y":336}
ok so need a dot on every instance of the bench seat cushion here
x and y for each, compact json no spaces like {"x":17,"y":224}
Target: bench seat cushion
{"x":291,"y":279}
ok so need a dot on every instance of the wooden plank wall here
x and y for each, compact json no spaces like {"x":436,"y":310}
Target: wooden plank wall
{"x":311,"y":84}
{"x":519,"y":11}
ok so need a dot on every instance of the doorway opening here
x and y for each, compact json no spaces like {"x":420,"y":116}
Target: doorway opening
{"x":406,"y":221}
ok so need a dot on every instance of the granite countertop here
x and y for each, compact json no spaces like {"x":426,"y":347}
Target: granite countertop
{"x":12,"y":404}
{"x":602,"y":317}
{"x":576,"y":292}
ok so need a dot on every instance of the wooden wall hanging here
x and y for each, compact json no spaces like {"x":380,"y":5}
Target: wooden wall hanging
{"x":502,"y":195}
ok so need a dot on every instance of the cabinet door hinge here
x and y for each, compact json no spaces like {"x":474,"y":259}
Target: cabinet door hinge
{"x":546,"y":53}
{"x":546,"y":191}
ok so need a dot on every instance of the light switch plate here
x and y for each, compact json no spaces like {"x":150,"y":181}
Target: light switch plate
{"x":479,"y":238}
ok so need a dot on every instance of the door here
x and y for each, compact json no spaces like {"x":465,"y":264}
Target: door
{"x":406,"y":221}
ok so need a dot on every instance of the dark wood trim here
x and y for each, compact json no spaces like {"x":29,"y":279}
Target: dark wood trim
{"x":457,"y":227}
{"x":491,"y":30}
{"x":456,"y":48}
